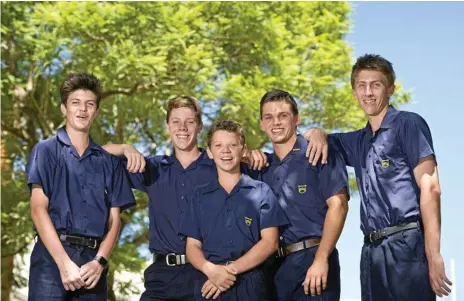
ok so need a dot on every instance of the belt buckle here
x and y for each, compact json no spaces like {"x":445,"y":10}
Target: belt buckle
{"x":371,"y":240}
{"x":167,"y":259}
{"x":94,"y":244}
{"x":280,"y":252}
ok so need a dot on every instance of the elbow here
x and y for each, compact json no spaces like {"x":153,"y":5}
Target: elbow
{"x":430,"y":185}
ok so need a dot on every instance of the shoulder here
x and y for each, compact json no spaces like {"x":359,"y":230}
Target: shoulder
{"x":47,"y":146}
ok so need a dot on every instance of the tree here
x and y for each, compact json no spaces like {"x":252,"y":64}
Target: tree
{"x":227,"y":54}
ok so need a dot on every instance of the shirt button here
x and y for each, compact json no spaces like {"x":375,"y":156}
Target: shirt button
{"x":182,"y":197}
{"x":85,"y":215}
{"x":281,"y":238}
{"x":228,"y":210}
{"x":182,"y":211}
{"x":230,"y":241}
{"x":84,"y":201}
{"x":182,"y":184}
{"x":229,"y":225}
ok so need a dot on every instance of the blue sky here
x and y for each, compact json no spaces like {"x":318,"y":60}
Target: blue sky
{"x":425,"y":43}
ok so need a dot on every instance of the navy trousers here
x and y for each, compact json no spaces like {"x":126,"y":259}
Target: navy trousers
{"x":395,"y":269}
{"x":45,"y":281}
{"x":292,"y":273}
{"x":166,"y":283}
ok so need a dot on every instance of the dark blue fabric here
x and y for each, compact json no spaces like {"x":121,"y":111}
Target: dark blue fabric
{"x":163,"y":282}
{"x":395,"y":269}
{"x":45,"y":281}
{"x":384,"y":164}
{"x":302,"y":189}
{"x":249,"y":286}
{"x":229,"y":225}
{"x":168,"y":186}
{"x":292,"y":273}
{"x":80,"y":190}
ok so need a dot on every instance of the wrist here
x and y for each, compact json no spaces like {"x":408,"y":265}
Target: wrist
{"x":207,"y":267}
{"x":101,"y":260}
{"x":321,"y":257}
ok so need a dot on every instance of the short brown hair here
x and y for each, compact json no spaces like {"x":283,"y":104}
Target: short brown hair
{"x":80,"y":81}
{"x":373,"y":62}
{"x":184,"y":101}
{"x":278,"y":95}
{"x":228,"y":126}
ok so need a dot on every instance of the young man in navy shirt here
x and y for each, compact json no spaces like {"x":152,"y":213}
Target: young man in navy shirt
{"x":315,"y":200}
{"x":77,"y":193}
{"x":168,"y":181}
{"x":397,"y":176}
{"x":231,"y":223}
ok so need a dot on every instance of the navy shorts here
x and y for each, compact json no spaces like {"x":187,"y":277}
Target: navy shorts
{"x":395,"y":269}
{"x":292,"y":273}
{"x":249,"y":286}
{"x":164,"y":282}
{"x":45,"y":280}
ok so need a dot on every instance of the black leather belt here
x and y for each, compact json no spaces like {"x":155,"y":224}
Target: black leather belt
{"x":298,"y":246}
{"x":380,"y":234}
{"x":88,"y":242}
{"x":171,"y":259}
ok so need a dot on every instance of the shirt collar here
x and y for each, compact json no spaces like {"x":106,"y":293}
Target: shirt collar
{"x":244,"y":182}
{"x":299,"y":147}
{"x":63,"y":137}
{"x":203,"y":159}
{"x":387,"y":121}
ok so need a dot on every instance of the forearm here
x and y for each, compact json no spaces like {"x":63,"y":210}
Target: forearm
{"x":197,"y":259}
{"x":431,"y":219}
{"x":48,"y":235}
{"x":333,"y":226}
{"x":116,"y":149}
{"x":256,"y":255}
{"x":110,"y":239}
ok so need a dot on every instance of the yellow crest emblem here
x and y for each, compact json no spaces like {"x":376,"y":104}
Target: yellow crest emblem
{"x":248,"y":221}
{"x":385,"y":163}
{"x":301,"y":189}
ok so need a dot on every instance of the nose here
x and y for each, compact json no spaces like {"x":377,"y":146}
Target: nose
{"x":83,"y":107}
{"x":369,"y":90}
{"x":276,"y":120}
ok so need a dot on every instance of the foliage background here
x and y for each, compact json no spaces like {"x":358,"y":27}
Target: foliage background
{"x":226,"y":54}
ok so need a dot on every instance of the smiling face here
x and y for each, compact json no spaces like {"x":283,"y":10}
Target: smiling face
{"x":372,"y":91}
{"x":80,"y":110}
{"x":183,"y":128}
{"x":278,"y":121}
{"x":226,"y":149}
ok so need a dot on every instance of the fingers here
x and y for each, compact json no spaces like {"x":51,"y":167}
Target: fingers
{"x":312,"y":286}
{"x":317,"y":156}
{"x":94,"y":283}
{"x":318,"y":285}
{"x":325,"y":153}
{"x":257,"y":160}
{"x":142,"y":165}
{"x":324,"y":282}
{"x":210,"y":291}
{"x":230,"y":270}
{"x":262,"y":160}
{"x":216,"y":295}
{"x":306,"y":285}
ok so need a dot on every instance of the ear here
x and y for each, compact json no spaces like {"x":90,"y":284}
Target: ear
{"x":63,"y":110}
{"x":244,"y":150}
{"x":210,"y":154}
{"x":200,"y":128}
{"x":167,"y":127}
{"x":391,"y":90}
{"x":297,"y":121}
{"x":261,"y":125}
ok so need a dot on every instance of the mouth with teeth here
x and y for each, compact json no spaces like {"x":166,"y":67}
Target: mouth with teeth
{"x":182,"y":137}
{"x":277,"y":131}
{"x":82,"y":118}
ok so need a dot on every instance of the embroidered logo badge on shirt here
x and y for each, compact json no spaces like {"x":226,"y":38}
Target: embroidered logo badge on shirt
{"x":248,"y":221}
{"x":301,"y":189}
{"x":385,"y":163}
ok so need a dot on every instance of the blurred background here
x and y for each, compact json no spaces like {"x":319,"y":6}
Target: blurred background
{"x":227,"y":54}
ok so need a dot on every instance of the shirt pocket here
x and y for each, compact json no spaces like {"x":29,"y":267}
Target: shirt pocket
{"x":301,"y":187}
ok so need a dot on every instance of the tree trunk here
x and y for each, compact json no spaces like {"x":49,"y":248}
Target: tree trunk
{"x":7,"y":277}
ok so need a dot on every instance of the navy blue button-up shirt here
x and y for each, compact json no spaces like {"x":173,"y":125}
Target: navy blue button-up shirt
{"x":229,"y":225}
{"x":303,"y":189}
{"x":384,"y":164}
{"x":168,"y":186}
{"x":80,"y":190}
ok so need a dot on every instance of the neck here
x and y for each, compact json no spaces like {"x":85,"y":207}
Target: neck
{"x":186,"y":157}
{"x":282,"y":149}
{"x":79,"y":139}
{"x":376,"y":121}
{"x":228,"y":179}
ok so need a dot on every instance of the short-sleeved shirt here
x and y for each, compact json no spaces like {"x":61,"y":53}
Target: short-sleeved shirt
{"x":168,"y":186}
{"x":230,"y":224}
{"x":384,"y":164}
{"x":303,"y":189}
{"x":81,"y":190}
